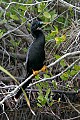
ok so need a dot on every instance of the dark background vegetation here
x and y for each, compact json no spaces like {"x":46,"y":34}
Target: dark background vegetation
{"x":56,"y":98}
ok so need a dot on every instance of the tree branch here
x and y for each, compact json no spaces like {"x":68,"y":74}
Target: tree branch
{"x":16,"y":89}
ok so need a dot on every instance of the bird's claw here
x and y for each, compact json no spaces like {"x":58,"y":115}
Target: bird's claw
{"x":35,"y":72}
{"x":44,"y":68}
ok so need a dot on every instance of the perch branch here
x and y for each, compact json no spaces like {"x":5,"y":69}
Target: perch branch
{"x":66,"y":55}
{"x":46,"y":79}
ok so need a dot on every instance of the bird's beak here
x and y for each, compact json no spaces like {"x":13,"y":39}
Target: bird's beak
{"x":44,"y":23}
{"x":41,"y":23}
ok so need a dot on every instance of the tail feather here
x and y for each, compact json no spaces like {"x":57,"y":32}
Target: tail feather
{"x":20,"y":90}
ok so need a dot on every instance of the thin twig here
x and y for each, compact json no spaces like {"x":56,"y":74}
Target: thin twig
{"x":16,"y":89}
{"x":71,"y":104}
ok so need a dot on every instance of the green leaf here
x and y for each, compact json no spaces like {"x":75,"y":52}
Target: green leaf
{"x":1,"y":33}
{"x":73,"y":72}
{"x":47,"y":15}
{"x":15,"y":43}
{"x":77,"y":67}
{"x":46,"y":76}
{"x":41,"y":100}
{"x":3,"y":21}
{"x":68,"y":72}
{"x":23,"y":20}
{"x":57,"y":56}
{"x":54,"y":84}
{"x":24,"y":49}
{"x":41,"y":6}
{"x":58,"y":40}
{"x":0,"y":2}
{"x":47,"y":93}
{"x":14,"y":17}
{"x":66,"y":22}
{"x":1,"y":13}
{"x":29,"y":2}
{"x":61,"y":19}
{"x":64,"y":76}
{"x":59,"y":99}
{"x":39,"y":105}
{"x":39,"y":87}
{"x":53,"y":16}
{"x":37,"y":77}
{"x":56,"y":29}
{"x":63,"y":63}
{"x":63,"y":37}
{"x":44,"y":85}
{"x":23,"y":8}
{"x":51,"y":103}
{"x":54,"y":32}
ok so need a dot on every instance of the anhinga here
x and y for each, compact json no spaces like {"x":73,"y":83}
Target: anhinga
{"x":36,"y":54}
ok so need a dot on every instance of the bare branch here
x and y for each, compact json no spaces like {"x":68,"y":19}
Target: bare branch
{"x":68,"y":4}
{"x":66,"y":55}
{"x":52,"y":78}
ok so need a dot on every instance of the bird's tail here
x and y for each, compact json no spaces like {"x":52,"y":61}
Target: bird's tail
{"x":20,"y":90}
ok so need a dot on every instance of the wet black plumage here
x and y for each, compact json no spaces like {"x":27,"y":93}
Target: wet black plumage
{"x":36,"y":54}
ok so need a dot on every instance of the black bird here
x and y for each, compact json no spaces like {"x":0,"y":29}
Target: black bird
{"x":36,"y":54}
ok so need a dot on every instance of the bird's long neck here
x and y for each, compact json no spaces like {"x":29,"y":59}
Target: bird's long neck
{"x":36,"y":33}
{"x":39,"y":37}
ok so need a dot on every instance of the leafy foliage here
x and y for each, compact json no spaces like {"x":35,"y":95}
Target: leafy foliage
{"x":61,"y":33}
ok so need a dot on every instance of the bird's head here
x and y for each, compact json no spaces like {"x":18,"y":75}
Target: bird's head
{"x":36,"y":24}
{"x":36,"y":27}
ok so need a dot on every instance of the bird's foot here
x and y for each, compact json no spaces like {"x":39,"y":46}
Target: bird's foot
{"x":44,"y":68}
{"x":35,"y":72}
